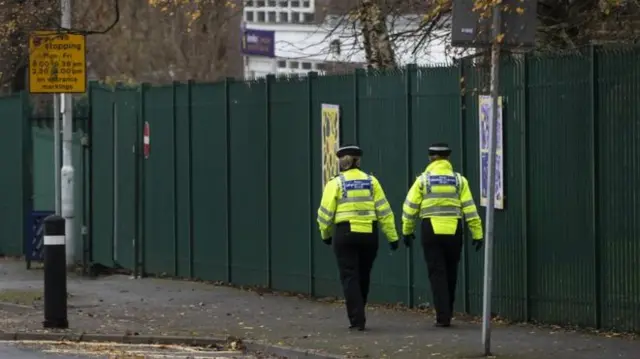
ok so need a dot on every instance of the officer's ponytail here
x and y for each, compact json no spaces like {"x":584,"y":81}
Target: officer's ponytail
{"x":348,"y":162}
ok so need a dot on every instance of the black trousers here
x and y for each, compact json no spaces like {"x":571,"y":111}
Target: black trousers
{"x":355,"y":253}
{"x":442,"y":254}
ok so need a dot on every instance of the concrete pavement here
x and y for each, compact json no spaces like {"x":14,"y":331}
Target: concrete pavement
{"x":120,"y":305}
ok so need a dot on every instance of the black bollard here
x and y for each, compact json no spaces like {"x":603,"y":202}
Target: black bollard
{"x":55,"y":274}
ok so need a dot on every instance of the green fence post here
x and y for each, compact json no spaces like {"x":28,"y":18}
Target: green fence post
{"x":409,"y":74}
{"x":356,"y":107}
{"x":137,"y":193}
{"x":140,"y":243}
{"x":114,"y":177}
{"x":227,"y":120}
{"x":310,"y":134}
{"x":174,"y":155}
{"x":88,"y":238}
{"x":27,"y":166}
{"x":190,"y":166}
{"x":524,"y":168}
{"x":462,"y":113}
{"x":595,"y":215}
{"x":269,"y":80}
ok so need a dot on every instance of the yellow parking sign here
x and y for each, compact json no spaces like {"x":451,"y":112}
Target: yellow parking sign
{"x":57,"y":62}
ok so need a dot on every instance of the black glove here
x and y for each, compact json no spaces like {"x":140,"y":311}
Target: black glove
{"x":478,"y":243}
{"x":328,"y":241}
{"x":394,"y":245}
{"x":408,"y":239}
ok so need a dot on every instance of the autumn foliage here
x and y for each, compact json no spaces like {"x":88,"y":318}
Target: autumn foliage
{"x":168,"y":40}
{"x":154,"y":40}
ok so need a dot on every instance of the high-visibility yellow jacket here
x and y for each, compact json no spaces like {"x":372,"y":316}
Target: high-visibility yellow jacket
{"x":443,"y":196}
{"x":357,"y":198}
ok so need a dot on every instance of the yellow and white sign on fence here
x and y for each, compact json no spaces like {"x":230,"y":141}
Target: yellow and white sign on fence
{"x":57,"y":62}
{"x":330,"y":118}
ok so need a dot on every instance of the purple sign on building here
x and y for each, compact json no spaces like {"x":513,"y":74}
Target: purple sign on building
{"x":258,"y":43}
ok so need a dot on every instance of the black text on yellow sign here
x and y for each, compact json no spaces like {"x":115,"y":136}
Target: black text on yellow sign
{"x":57,"y":63}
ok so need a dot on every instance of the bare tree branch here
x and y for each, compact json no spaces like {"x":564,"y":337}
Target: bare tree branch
{"x":417,"y":26}
{"x":166,"y":40}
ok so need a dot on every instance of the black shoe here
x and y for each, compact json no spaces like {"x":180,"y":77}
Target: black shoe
{"x":358,"y":327}
{"x":442,"y":325}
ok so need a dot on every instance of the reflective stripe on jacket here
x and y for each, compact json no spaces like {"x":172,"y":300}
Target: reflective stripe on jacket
{"x":357,"y":198}
{"x":443,"y":196}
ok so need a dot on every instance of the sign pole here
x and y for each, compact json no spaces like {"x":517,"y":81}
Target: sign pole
{"x":469,"y":29}
{"x":243,"y":44}
{"x":56,"y":150}
{"x":66,"y":173}
{"x":488,"y":249}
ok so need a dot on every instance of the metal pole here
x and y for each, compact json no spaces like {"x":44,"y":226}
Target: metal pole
{"x":245,"y":59}
{"x":56,"y":150}
{"x":66,"y":173}
{"x":247,"y":69}
{"x":488,"y":249}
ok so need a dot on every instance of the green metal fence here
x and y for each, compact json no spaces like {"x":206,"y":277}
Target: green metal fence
{"x":15,"y":180}
{"x":230,"y":188}
{"x":28,"y":172}
{"x":43,"y":172}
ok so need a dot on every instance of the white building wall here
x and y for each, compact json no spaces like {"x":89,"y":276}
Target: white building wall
{"x":303,"y":47}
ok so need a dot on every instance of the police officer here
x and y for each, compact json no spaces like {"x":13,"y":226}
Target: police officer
{"x":440,"y":197}
{"x":354,"y":203}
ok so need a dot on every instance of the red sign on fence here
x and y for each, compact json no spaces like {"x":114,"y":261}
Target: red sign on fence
{"x":146,"y":140}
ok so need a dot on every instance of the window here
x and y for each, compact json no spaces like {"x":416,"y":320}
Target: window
{"x":249,"y":3}
{"x":283,"y":3}
{"x":272,"y":3}
{"x":284,"y":17}
{"x":306,"y":66}
{"x":295,"y":17}
{"x":272,"y":16}
{"x":295,"y":4}
{"x":249,"y":16}
{"x":282,"y":64}
{"x":260,"y":16}
{"x":334,"y":47}
{"x":293,"y":64}
{"x":308,"y":17}
{"x":260,"y":3}
{"x":306,"y":4}
{"x":321,"y":67}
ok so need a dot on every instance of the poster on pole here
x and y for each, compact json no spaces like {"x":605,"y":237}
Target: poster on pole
{"x":330,"y":118}
{"x":485,"y":106}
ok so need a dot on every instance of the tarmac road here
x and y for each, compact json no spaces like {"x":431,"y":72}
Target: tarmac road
{"x":44,"y":350}
{"x":10,"y":351}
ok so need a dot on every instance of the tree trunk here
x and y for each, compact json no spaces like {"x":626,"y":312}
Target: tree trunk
{"x":377,"y":46}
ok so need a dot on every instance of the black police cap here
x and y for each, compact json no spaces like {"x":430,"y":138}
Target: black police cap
{"x":440,"y":148}
{"x":350,"y":150}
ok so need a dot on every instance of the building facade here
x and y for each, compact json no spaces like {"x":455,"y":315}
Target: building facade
{"x":307,"y":38}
